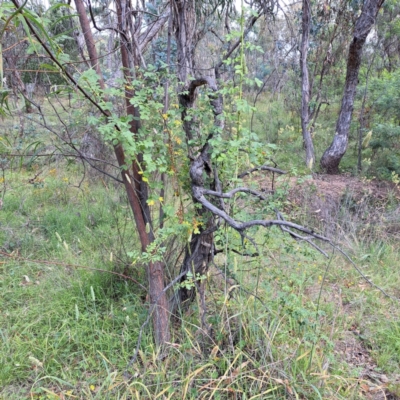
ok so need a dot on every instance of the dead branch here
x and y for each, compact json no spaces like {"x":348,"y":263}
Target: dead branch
{"x":262,"y":168}
{"x":231,"y":194}
{"x":296,"y":236}
{"x":199,"y":192}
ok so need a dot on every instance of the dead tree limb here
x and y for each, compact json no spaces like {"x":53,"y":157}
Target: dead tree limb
{"x":262,"y":168}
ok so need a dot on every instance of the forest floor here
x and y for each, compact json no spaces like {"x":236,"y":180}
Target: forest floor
{"x":322,"y":198}
{"x":372,"y":382}
{"x":352,"y":348}
{"x":302,"y":327}
{"x":331,"y":188}
{"x":335,"y":186}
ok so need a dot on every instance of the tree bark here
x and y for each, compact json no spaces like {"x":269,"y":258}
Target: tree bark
{"x":331,"y":158}
{"x":18,"y":85}
{"x":305,"y":86}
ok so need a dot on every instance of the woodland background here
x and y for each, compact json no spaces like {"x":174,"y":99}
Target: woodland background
{"x":200,"y":199}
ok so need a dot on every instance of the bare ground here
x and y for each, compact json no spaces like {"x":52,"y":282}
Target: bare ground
{"x":341,"y":202}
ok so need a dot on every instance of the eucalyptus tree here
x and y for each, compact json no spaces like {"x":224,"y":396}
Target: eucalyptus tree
{"x":325,"y":32}
{"x":333,"y":154}
{"x":305,"y":84}
{"x":132,"y":44}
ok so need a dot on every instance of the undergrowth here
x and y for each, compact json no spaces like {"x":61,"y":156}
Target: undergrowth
{"x":70,"y":332}
{"x":278,"y":320}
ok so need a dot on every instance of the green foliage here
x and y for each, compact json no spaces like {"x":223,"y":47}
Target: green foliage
{"x":385,"y":94}
{"x":384,"y":99}
{"x":386,"y":346}
{"x":60,"y":23}
{"x":191,"y":281}
{"x":273,"y":327}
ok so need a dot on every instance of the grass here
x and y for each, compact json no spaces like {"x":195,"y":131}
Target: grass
{"x":59,"y":320}
{"x":286,"y":324}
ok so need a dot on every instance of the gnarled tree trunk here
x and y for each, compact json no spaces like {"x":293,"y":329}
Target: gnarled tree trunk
{"x":331,"y":158}
{"x":200,"y":249}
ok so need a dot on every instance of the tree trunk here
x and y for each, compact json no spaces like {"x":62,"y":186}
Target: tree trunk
{"x":331,"y":158}
{"x":87,"y":33}
{"x":305,"y":86}
{"x":155,"y":270}
{"x":135,"y":187}
{"x":199,"y":250}
{"x":19,"y":85}
{"x":24,"y":92}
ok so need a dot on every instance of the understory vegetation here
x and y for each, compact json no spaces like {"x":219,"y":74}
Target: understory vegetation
{"x":199,"y":200}
{"x":284,"y":323}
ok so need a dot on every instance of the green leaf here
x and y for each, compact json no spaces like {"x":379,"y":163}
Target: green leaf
{"x":39,"y":24}
{"x":48,"y":67}
{"x":258,"y":82}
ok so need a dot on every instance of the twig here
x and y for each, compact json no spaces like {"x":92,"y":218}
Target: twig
{"x":318,"y":306}
{"x":198,"y":193}
{"x":60,"y":154}
{"x":240,"y":286}
{"x":79,"y":153}
{"x":297,"y":236}
{"x":218,"y":251}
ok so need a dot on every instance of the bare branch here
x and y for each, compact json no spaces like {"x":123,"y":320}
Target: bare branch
{"x":218,"y":251}
{"x":146,"y":37}
{"x":106,"y":27}
{"x":198,"y":194}
{"x":299,"y":237}
{"x":361,"y":273}
{"x":252,"y":21}
{"x":79,"y":154}
{"x":286,"y":226}
{"x":229,"y":195}
{"x":217,"y":36}
{"x":262,"y":168}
